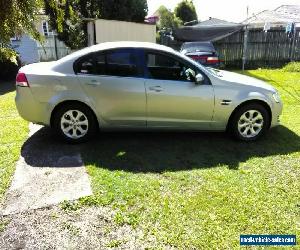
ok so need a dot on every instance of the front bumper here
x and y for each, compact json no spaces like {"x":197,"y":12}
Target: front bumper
{"x":276,"y":112}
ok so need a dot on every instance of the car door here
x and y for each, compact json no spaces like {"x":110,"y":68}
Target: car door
{"x":173,"y":97}
{"x":115,"y":83}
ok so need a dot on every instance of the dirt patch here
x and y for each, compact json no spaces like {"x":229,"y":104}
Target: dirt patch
{"x":54,"y":228}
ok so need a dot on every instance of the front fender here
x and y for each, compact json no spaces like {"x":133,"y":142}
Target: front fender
{"x":228,"y":100}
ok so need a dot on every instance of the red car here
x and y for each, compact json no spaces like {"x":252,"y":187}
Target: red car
{"x":202,"y":52}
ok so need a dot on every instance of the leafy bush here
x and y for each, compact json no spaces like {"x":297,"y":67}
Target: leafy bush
{"x":9,"y":63}
{"x":292,"y":67}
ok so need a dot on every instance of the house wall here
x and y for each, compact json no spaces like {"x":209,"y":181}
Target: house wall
{"x":31,"y":51}
{"x":110,"y":30}
{"x":27,"y":49}
{"x":48,"y":52}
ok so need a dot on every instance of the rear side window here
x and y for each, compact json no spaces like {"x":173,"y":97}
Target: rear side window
{"x":85,"y":65}
{"x":100,"y":64}
{"x":119,"y":62}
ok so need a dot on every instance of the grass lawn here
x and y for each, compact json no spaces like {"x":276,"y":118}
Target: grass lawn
{"x":13,"y":132}
{"x":202,"y":190}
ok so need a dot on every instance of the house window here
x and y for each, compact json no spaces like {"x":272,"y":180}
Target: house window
{"x":47,"y":29}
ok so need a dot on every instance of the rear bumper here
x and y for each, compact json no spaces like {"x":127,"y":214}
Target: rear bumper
{"x":30,"y":109}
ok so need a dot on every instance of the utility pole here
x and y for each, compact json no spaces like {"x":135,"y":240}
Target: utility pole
{"x":244,"y":58}
{"x":292,"y":49}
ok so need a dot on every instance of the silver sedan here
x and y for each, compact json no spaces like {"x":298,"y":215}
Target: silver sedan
{"x":133,"y":85}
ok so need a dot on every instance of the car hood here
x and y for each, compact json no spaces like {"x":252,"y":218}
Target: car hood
{"x":243,"y":80}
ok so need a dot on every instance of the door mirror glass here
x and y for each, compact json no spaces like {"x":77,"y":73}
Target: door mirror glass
{"x":199,"y":79}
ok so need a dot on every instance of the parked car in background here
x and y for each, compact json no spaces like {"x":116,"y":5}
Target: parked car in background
{"x":121,"y":85}
{"x":202,"y":52}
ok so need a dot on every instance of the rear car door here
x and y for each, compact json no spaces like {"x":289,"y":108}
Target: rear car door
{"x":114,"y":81}
{"x":173,"y":97}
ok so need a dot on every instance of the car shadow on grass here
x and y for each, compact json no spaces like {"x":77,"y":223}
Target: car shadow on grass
{"x":158,"y":152}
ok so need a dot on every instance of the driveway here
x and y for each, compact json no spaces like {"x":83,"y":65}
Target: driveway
{"x":48,"y":173}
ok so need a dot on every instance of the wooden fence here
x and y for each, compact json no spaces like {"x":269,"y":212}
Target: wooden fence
{"x":264,"y":49}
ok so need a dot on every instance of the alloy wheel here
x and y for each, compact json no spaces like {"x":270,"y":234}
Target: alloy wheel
{"x":74,"y":124}
{"x":250,"y":123}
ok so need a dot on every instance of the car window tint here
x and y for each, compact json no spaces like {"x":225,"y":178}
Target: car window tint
{"x":100,"y":64}
{"x":85,"y":65}
{"x":168,"y":68}
{"x":121,"y":63}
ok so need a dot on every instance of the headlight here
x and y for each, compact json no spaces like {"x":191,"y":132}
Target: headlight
{"x":276,"y":97}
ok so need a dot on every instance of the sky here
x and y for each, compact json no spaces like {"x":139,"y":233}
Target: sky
{"x":229,"y":10}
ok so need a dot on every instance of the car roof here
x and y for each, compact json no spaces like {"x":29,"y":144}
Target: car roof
{"x":65,"y":64}
{"x":115,"y":45}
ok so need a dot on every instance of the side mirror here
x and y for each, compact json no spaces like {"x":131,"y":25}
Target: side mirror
{"x":199,"y":79}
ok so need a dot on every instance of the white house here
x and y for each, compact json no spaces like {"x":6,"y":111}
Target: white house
{"x":31,"y":51}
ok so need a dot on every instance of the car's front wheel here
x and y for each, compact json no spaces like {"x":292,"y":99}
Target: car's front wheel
{"x":75,"y":123}
{"x":250,"y":122}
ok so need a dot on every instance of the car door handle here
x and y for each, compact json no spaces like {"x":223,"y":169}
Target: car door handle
{"x":156,"y":88}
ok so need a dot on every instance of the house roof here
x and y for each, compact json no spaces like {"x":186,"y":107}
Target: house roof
{"x":289,"y":10}
{"x":278,"y":17}
{"x":213,"y":22}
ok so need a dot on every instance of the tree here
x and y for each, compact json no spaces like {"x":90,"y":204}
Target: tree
{"x":186,"y":11}
{"x":124,"y":10}
{"x":65,"y":19}
{"x":66,"y":16}
{"x":18,"y":16}
{"x":167,"y":19}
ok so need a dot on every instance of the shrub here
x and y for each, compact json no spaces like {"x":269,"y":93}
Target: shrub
{"x":9,"y":63}
{"x":292,"y":67}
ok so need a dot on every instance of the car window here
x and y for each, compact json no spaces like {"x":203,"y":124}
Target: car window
{"x":85,"y":65}
{"x":165,"y":67}
{"x":121,"y":63}
{"x":100,"y":65}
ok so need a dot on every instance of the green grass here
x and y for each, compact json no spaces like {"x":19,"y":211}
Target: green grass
{"x":292,"y":67}
{"x":202,"y":190}
{"x":13,"y":132}
{"x":188,"y":190}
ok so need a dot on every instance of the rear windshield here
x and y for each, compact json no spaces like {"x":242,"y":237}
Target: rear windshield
{"x":198,"y":46}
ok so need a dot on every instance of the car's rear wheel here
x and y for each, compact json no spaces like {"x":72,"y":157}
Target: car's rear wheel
{"x":75,"y":123}
{"x":250,"y":122}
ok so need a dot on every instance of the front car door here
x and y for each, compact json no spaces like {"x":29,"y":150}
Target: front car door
{"x":173,"y":97}
{"x":114,"y":81}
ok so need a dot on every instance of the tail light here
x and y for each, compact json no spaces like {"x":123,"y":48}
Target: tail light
{"x":196,"y":57}
{"x":21,"y":80}
{"x":212,"y":59}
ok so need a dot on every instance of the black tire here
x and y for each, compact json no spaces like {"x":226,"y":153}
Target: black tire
{"x":83,"y":114}
{"x":238,"y":122}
